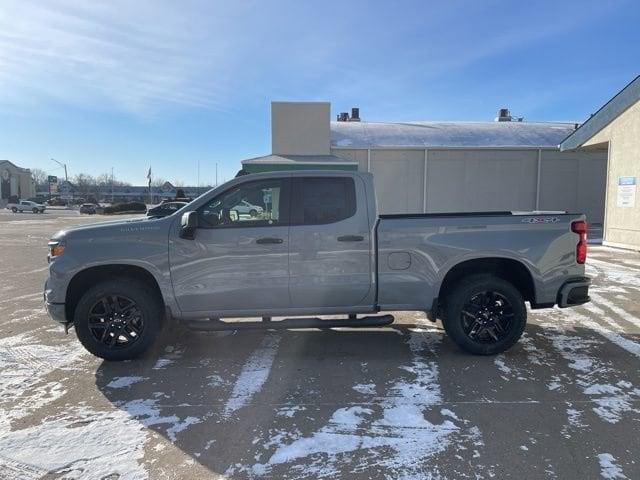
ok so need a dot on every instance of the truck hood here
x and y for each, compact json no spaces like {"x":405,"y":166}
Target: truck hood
{"x":115,"y":228}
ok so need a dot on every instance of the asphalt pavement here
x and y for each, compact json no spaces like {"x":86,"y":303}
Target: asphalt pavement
{"x":400,"y":402}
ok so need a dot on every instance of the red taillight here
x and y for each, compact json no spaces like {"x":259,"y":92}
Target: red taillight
{"x":580,"y":227}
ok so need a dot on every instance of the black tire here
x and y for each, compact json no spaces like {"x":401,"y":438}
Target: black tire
{"x":144,"y":319}
{"x":253,"y":213}
{"x":14,"y":209}
{"x":34,"y":210}
{"x":485,"y":315}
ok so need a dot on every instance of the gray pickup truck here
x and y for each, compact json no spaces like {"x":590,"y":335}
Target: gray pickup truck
{"x":316,"y":246}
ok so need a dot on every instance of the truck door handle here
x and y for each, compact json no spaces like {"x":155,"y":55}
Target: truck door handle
{"x":351,"y":238}
{"x":267,"y":240}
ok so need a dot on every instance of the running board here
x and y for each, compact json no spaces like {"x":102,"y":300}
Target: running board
{"x":290,"y":323}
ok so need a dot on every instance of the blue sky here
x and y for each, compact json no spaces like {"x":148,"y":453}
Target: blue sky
{"x":169,"y":84}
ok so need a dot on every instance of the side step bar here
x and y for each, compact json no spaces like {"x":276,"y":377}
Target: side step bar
{"x":219,"y":325}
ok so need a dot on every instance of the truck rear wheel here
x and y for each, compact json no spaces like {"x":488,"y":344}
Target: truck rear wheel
{"x":485,"y":315}
{"x":118,"y":319}
{"x":14,"y":209}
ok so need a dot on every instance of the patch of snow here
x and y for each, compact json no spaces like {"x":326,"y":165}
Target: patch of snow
{"x":393,"y":434}
{"x":611,"y":401}
{"x":148,"y":414}
{"x":629,"y":317}
{"x":253,"y":375}
{"x":289,"y":412}
{"x":499,"y":362}
{"x":122,"y":382}
{"x":216,"y":380}
{"x":365,"y":389}
{"x":77,"y":445}
{"x":608,"y":467}
{"x":162,"y":363}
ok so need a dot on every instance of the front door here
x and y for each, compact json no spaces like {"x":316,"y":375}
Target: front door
{"x":238,"y":259}
{"x":330,"y":243}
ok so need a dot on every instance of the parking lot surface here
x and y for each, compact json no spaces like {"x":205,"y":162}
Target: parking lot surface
{"x":395,"y":402}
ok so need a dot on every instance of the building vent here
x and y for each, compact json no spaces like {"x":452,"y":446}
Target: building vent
{"x":344,"y":116}
{"x":505,"y":116}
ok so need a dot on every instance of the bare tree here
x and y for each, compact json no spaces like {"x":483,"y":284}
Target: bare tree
{"x":104,"y":180}
{"x":85,"y":184}
{"x":39,"y":177}
{"x":157,"y":182}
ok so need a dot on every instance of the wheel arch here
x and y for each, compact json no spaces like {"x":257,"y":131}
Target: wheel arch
{"x":88,"y":277}
{"x":508,"y":269}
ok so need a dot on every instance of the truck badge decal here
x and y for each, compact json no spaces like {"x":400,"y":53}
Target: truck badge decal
{"x":540,"y":220}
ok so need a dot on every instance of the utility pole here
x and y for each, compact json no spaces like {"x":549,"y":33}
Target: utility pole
{"x":66,"y":178}
{"x":198,"y":187}
{"x":111,"y":184}
{"x":216,"y":174}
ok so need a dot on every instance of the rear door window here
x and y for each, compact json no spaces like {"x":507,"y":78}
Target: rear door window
{"x":322,"y":200}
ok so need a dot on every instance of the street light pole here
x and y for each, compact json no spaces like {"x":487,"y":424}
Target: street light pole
{"x":66,"y":178}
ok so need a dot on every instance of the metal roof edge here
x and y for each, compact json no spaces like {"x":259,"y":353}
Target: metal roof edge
{"x":606,"y":114}
{"x":444,"y":147}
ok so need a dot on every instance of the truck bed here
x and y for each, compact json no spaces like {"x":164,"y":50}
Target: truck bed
{"x":416,"y":251}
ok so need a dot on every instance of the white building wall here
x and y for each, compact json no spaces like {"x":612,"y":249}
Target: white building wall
{"x":484,"y":179}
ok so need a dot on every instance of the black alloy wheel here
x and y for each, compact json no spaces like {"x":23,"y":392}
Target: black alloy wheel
{"x":487,"y":317}
{"x":119,"y":319}
{"x":116,"y":321}
{"x":484,"y":314}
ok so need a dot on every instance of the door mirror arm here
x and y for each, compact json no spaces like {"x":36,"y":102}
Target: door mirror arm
{"x":188,"y":225}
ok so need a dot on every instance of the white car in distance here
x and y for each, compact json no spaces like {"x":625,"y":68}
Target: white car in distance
{"x":26,"y":206}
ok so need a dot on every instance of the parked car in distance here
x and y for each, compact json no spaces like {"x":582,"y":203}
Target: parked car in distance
{"x":245,"y":208}
{"x":26,"y":206}
{"x":88,"y":208}
{"x":318,"y":248}
{"x":57,"y":202}
{"x":165,"y":209}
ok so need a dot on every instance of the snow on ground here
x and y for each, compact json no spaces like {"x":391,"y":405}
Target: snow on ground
{"x":608,"y":467}
{"x":393,"y":433}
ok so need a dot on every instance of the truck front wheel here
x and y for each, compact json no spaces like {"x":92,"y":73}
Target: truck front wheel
{"x":485,"y":315}
{"x":118,"y":319}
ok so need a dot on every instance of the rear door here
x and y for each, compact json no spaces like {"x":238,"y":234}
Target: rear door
{"x":330,"y":243}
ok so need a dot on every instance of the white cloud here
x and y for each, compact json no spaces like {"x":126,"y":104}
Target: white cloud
{"x":131,"y":56}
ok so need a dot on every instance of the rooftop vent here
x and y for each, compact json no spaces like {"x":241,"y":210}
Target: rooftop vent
{"x":344,"y":116}
{"x":505,"y":116}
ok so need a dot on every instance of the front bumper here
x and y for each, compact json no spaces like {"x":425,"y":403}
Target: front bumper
{"x":574,"y":292}
{"x":57,"y":312}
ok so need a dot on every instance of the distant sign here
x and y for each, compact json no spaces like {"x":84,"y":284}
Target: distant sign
{"x":52,"y":179}
{"x":65,"y":189}
{"x":627,"y":192}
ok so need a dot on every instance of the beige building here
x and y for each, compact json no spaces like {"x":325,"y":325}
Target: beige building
{"x":504,"y":164}
{"x":14,"y":182}
{"x":614,"y":130}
